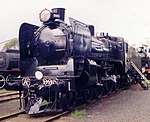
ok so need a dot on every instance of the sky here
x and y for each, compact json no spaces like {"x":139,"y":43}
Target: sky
{"x":129,"y":19}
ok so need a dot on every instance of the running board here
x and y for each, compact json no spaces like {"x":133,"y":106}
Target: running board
{"x":140,"y":73}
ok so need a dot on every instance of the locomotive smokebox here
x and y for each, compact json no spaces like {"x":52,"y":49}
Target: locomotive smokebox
{"x":60,"y":12}
{"x":91,"y":28}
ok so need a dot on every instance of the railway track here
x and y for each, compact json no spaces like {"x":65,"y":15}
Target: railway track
{"x":9,"y":115}
{"x":9,"y":96}
{"x":79,"y":107}
{"x":67,"y":112}
{"x":49,"y":118}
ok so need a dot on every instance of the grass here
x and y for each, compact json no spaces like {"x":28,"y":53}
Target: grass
{"x":148,"y":83}
{"x":145,"y":84}
{"x":78,"y":114}
{"x":62,"y":118}
{"x":44,"y":103}
{"x":2,"y":91}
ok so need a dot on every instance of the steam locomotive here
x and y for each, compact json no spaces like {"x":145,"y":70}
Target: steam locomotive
{"x":9,"y":67}
{"x":145,"y":60}
{"x":62,"y":63}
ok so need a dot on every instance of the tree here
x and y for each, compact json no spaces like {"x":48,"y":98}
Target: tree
{"x":11,"y":43}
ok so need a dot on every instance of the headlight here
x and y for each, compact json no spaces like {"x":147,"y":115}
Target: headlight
{"x":39,"y":75}
{"x":45,"y":15}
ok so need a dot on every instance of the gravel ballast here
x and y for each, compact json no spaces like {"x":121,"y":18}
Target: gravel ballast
{"x":131,"y":105}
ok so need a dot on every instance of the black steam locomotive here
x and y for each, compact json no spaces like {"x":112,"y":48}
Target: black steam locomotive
{"x":62,"y":63}
{"x":9,"y":67}
{"x":145,"y":60}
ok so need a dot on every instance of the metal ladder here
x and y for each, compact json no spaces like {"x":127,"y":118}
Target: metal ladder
{"x":140,"y":73}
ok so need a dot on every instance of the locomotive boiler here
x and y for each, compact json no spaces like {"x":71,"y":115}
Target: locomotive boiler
{"x":62,"y":63}
{"x":9,"y":66}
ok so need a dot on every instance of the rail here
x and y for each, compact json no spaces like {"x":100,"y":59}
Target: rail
{"x":53,"y":117}
{"x":9,"y":96}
